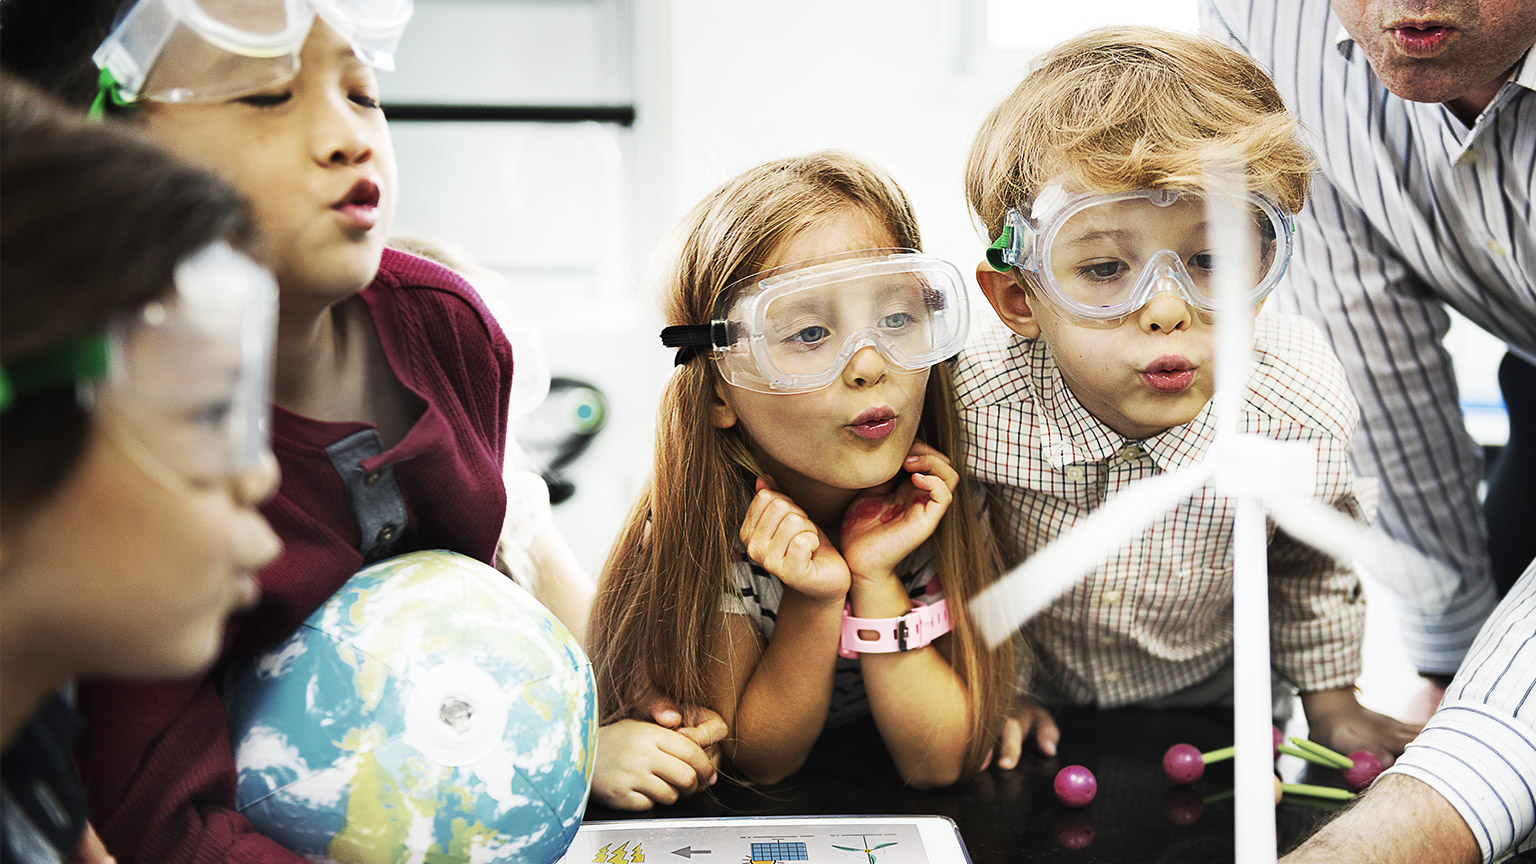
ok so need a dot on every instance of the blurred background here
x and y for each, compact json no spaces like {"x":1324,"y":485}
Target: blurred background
{"x":553,"y":143}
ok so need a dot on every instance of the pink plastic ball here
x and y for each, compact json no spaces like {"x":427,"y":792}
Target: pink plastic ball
{"x":1183,"y":764}
{"x":1367,"y":768}
{"x":1075,"y":786}
{"x":1279,"y":739}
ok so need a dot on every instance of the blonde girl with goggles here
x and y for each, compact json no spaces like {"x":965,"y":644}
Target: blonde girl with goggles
{"x":808,"y":535}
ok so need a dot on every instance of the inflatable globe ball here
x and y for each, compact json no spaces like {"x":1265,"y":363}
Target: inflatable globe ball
{"x":431,"y":710}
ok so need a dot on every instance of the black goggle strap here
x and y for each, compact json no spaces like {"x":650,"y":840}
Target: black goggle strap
{"x":691,"y":340}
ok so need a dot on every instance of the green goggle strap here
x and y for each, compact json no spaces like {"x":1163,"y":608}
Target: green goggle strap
{"x":995,"y":252}
{"x":76,"y":360}
{"x":108,"y":90}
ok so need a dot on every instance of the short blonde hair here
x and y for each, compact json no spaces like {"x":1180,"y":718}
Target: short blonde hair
{"x":1126,"y":108}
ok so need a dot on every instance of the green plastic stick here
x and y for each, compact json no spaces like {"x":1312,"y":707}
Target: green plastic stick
{"x":1339,"y":760}
{"x":1307,"y":755}
{"x":1316,"y":791}
{"x":1218,"y":755}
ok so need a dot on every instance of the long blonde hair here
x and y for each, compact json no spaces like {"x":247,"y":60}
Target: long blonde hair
{"x":659,"y":595}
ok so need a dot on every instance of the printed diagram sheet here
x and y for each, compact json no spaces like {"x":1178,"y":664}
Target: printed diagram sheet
{"x":769,"y":840}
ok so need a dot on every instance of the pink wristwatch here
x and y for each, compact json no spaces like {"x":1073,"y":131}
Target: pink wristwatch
{"x":912,"y":630}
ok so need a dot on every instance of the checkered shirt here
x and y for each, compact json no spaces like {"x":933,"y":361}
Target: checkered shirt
{"x":1157,"y":617}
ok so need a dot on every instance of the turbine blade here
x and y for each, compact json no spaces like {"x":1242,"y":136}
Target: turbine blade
{"x":1368,"y":550}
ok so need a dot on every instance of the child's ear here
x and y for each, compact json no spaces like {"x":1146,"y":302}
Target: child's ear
{"x":720,"y":410}
{"x":1009,"y":299}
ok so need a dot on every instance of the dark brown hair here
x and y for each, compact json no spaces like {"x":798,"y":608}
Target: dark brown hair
{"x":93,"y":220}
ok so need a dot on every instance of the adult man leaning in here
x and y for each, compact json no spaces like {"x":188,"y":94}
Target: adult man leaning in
{"x":1426,"y":122}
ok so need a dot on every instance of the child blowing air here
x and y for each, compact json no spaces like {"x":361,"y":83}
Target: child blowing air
{"x":390,"y":379}
{"x":803,"y":500}
{"x":1097,"y":371}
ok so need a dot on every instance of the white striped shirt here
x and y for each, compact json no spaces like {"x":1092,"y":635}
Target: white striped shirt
{"x":1479,"y":750}
{"x":1411,"y":211}
{"x":1156,"y":617}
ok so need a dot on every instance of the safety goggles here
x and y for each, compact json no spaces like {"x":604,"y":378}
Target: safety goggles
{"x":209,"y":50}
{"x":1102,"y":257}
{"x":792,"y":329}
{"x":188,"y":378}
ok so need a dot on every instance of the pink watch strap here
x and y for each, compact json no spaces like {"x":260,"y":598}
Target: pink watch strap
{"x":910,"y":631}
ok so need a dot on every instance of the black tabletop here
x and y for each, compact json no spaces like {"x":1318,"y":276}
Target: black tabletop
{"x":1013,"y":816}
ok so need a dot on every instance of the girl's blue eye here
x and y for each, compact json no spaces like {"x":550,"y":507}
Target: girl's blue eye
{"x":810,"y":335}
{"x":897,"y":320}
{"x":265,"y":100}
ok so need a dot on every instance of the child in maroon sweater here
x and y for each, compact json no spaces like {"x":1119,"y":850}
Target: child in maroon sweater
{"x":390,"y":384}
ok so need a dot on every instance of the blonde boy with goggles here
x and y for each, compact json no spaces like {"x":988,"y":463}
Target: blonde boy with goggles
{"x":793,"y":329}
{"x":1098,"y":372}
{"x":210,"y":50}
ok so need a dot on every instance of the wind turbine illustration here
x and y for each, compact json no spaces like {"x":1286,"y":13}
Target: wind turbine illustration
{"x":1262,"y":476}
{"x":867,"y":849}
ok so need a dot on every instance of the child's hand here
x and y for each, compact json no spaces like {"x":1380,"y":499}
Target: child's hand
{"x":1335,"y":719}
{"x":888,"y":523}
{"x":703,"y":726}
{"x":1030,"y":719}
{"x":780,"y":537}
{"x":640,"y":765}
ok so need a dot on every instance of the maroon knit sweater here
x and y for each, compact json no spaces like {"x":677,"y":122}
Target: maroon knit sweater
{"x":157,"y":759}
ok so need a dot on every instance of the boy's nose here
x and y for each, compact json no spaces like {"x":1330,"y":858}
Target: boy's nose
{"x":866,"y":366}
{"x":1166,"y":312}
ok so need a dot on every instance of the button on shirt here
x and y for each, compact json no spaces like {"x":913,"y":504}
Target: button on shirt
{"x":1157,"y":616}
{"x":1411,"y":211}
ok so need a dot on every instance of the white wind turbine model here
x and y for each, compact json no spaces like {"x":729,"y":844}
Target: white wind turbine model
{"x":1262,"y":475}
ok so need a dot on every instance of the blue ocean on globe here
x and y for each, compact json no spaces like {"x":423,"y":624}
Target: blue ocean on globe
{"x":432,"y":711}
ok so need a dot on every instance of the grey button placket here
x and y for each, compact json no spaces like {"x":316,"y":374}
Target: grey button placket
{"x":376,"y":501}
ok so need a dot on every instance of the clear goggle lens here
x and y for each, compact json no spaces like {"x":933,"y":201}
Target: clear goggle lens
{"x":207,"y":50}
{"x":1105,"y":256}
{"x":794,"y":328}
{"x":188,"y":379}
